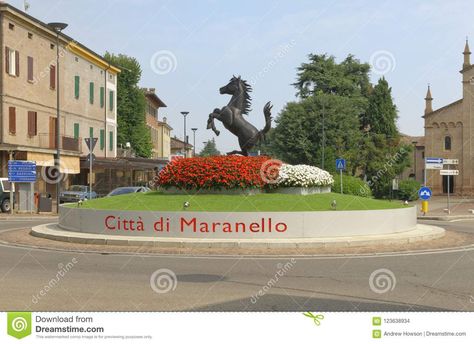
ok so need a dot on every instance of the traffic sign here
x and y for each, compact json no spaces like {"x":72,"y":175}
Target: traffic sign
{"x":425,"y":193}
{"x":21,"y":171}
{"x":340,"y":164}
{"x":89,"y":157}
{"x":449,"y":172}
{"x":91,"y":142}
{"x":450,"y":161}
{"x":433,"y":163}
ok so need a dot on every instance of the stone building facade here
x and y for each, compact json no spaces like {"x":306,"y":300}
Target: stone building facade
{"x":449,"y":133}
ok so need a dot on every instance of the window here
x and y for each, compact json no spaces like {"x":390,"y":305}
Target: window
{"x":11,"y":26}
{"x":76,"y":59}
{"x":102,"y":94}
{"x":30,"y":68}
{"x":111,"y":140}
{"x":76,"y":131}
{"x":12,"y":120}
{"x":30,"y":35}
{"x":51,"y":46}
{"x":91,"y":132}
{"x":111,"y":100}
{"x":102,"y":139}
{"x":447,"y":143}
{"x":76,"y":86}
{"x":32,"y":123}
{"x":12,"y":62}
{"x":91,"y":92}
{"x":52,"y":77}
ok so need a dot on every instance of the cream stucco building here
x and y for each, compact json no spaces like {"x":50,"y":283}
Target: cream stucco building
{"x":28,"y":89}
{"x":449,"y":134}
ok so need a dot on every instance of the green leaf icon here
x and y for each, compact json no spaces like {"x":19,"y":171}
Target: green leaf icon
{"x":19,"y":324}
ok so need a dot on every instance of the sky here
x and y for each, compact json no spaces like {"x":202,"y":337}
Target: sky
{"x":189,"y":49}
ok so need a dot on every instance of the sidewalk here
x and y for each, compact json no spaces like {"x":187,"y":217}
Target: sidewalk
{"x":460,"y":208}
{"x":27,"y":217}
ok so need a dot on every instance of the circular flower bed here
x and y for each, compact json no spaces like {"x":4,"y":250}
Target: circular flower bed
{"x":303,"y":176}
{"x":213,"y":173}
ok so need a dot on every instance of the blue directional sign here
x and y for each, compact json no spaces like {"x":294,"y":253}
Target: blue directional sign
{"x":434,"y":160}
{"x":340,"y":164}
{"x":425,"y":193}
{"x":21,"y":171}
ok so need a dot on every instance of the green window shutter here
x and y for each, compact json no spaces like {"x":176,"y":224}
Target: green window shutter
{"x":111,"y":100}
{"x":111,"y":140}
{"x":102,"y":138}
{"x":76,"y":86}
{"x":102,"y":94}
{"x":91,"y":132}
{"x":76,"y":130}
{"x":91,"y":92}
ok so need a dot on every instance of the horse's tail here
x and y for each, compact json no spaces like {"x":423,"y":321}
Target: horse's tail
{"x":268,"y":120}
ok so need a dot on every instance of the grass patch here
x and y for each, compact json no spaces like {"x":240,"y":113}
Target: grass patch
{"x":156,"y":201}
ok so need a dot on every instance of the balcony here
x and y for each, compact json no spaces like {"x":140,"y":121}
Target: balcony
{"x":67,"y":142}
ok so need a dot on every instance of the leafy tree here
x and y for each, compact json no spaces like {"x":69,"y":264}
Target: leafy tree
{"x":210,"y":149}
{"x":131,"y":103}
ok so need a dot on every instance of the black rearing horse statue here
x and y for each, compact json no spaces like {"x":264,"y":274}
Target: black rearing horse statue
{"x":232,"y":116}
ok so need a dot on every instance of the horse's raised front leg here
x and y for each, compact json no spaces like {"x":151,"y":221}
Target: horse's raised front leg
{"x":211,"y":124}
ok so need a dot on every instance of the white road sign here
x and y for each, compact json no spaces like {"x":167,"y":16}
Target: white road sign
{"x":449,"y":172}
{"x":450,"y":161}
{"x":434,"y":163}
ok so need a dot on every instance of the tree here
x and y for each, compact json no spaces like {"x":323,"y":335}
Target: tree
{"x":210,"y":149}
{"x":383,"y":155}
{"x":381,"y":115}
{"x":131,"y":103}
{"x":337,"y":92}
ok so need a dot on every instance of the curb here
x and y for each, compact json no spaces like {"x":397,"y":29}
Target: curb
{"x":28,"y":218}
{"x":420,"y":233}
{"x":445,"y":217}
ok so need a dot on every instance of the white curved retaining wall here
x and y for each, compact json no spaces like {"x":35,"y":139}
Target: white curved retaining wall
{"x":238,"y":225}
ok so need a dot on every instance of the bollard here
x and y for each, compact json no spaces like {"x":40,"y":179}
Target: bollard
{"x":424,"y":207}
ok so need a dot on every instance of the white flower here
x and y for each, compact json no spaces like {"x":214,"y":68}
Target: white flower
{"x":303,"y":176}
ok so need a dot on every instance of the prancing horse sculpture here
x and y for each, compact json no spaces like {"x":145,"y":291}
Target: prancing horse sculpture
{"x":232,"y":116}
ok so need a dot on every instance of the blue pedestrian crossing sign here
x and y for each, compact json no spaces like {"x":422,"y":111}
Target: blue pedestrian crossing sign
{"x":425,"y":193}
{"x":340,"y":164}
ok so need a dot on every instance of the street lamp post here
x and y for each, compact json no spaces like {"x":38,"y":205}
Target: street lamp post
{"x":57,"y":27}
{"x":194,"y":140}
{"x":184,"y":113}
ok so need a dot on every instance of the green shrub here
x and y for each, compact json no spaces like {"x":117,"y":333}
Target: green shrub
{"x":408,"y":190}
{"x":351,"y":186}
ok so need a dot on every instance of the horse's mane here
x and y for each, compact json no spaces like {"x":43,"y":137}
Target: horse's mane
{"x":247,"y":99}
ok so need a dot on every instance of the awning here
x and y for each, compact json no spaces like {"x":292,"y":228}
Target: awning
{"x":42,"y":159}
{"x":68,"y":164}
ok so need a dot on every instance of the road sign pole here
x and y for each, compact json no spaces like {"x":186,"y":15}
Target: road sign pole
{"x":448,"y":177}
{"x":340,"y":171}
{"x":90,"y":175}
{"x":12,"y":202}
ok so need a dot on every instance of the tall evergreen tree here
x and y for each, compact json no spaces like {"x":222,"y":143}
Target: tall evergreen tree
{"x":210,"y":149}
{"x":381,"y":115}
{"x":131,"y":103}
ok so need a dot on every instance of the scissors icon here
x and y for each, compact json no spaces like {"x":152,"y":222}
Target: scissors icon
{"x":316,"y":318}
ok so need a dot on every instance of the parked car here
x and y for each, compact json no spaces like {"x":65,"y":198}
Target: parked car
{"x":76,"y":193}
{"x":128,"y":189}
{"x":5,"y":204}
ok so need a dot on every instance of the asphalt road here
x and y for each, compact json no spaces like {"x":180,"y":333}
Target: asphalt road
{"x":35,"y":279}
